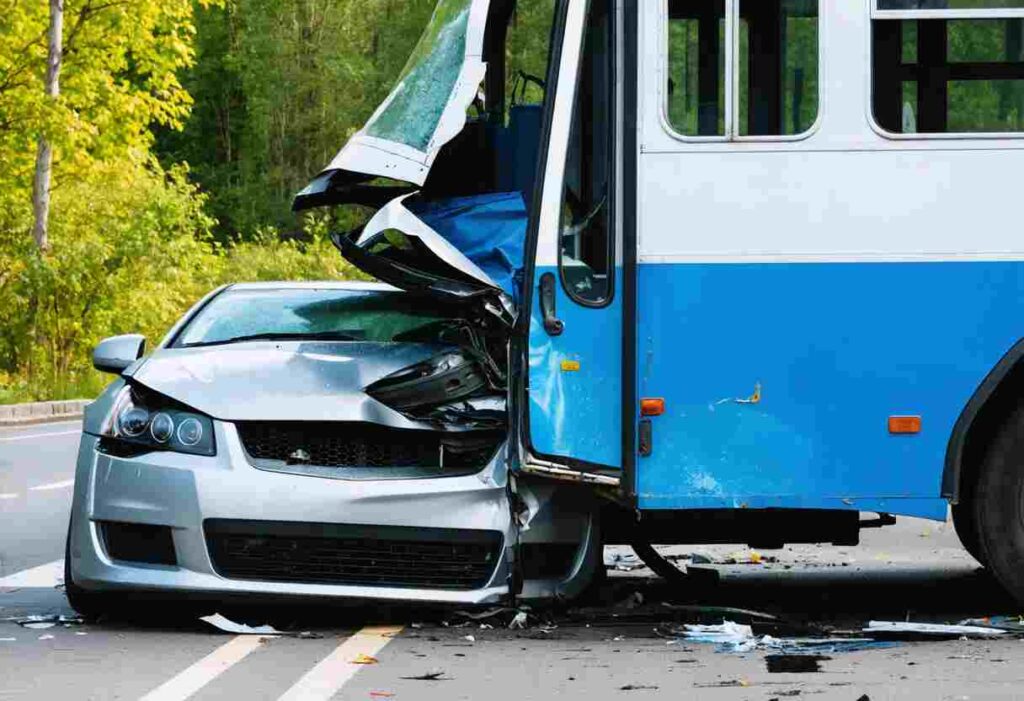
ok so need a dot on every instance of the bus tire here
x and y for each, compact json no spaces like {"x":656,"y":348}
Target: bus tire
{"x":966,"y":528}
{"x":999,"y":506}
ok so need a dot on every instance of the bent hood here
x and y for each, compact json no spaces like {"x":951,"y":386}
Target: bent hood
{"x":284,"y":381}
{"x":463,"y":250}
{"x":424,"y":111}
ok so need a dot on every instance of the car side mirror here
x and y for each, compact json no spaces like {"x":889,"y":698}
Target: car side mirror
{"x":116,"y":353}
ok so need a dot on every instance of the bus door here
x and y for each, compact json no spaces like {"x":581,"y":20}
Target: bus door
{"x":573,"y":383}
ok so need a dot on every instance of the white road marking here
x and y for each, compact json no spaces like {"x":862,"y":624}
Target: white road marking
{"x":331,"y":673}
{"x":191,"y":680}
{"x":48,"y":575}
{"x":9,"y":495}
{"x":52,"y":486}
{"x":34,"y":436}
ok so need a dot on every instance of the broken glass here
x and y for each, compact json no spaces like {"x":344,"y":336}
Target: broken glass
{"x":415,"y":106}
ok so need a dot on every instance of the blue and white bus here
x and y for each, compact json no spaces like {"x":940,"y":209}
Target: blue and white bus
{"x":762,"y":274}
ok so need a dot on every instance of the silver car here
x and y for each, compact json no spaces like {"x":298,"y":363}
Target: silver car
{"x":339,"y":440}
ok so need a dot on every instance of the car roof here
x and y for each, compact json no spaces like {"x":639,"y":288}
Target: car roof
{"x":354,"y":285}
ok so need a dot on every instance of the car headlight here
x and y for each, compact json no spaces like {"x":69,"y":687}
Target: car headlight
{"x":149,"y":422}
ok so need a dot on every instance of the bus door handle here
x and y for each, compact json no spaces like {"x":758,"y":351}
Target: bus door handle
{"x":552,"y":324}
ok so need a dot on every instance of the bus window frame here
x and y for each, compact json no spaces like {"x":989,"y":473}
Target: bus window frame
{"x":613,"y":175}
{"x":874,"y":15}
{"x":732,"y":92}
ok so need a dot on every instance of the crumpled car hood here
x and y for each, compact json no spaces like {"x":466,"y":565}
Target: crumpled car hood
{"x":283,"y":381}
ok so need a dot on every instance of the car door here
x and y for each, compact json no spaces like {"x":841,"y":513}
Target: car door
{"x":573,"y":382}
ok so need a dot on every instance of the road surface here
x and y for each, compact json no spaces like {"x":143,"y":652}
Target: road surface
{"x":915,"y":570}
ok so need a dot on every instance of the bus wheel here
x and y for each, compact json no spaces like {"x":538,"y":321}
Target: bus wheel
{"x":999,"y":506}
{"x":967,"y":529}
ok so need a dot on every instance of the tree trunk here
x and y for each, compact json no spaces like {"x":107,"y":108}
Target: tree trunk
{"x":44,"y":154}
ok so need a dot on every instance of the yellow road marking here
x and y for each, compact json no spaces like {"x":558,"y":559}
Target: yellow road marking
{"x":191,"y":680}
{"x":331,"y":673}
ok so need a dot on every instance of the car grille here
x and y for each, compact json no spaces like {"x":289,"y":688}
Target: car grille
{"x":338,"y":444}
{"x":308,"y":553}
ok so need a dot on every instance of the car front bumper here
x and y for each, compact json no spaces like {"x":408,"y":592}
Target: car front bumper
{"x":182,"y":492}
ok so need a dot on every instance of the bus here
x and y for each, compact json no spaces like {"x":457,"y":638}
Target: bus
{"x":760,"y":276}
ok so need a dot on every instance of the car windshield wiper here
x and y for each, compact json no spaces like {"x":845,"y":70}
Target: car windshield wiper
{"x":319,"y":336}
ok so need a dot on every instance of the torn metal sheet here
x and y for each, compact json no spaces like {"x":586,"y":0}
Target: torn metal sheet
{"x":467,"y":250}
{"x":424,"y":111}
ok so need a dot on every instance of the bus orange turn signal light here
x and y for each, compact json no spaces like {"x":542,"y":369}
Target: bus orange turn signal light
{"x":899,"y":425}
{"x":652,"y":407}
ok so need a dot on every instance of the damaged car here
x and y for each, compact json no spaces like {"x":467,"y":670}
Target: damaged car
{"x":312,"y":440}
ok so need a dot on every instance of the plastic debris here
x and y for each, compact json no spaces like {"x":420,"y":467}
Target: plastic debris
{"x":228,"y":626}
{"x":1012,"y":624}
{"x":42,"y":622}
{"x":726,"y":632}
{"x":365,"y":659}
{"x":46,"y":637}
{"x":736,"y":638}
{"x":519,"y":621}
{"x":896,"y":630}
{"x":470,"y":638}
{"x":622,"y":561}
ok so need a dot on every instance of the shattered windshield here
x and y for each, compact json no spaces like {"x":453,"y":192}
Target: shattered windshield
{"x":294,"y":314}
{"x":414,"y":108}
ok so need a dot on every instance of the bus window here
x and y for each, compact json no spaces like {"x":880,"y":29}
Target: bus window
{"x":934,"y":76}
{"x":777,"y":68}
{"x":696,"y":59}
{"x":585,"y":231}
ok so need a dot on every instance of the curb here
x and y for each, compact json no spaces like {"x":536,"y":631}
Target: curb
{"x":41,"y":412}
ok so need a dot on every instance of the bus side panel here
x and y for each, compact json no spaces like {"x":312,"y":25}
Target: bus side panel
{"x":780,"y":377}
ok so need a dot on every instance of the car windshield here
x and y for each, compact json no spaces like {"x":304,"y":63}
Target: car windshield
{"x":308,"y":313}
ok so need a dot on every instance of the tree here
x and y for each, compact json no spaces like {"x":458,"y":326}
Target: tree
{"x":44,"y":155}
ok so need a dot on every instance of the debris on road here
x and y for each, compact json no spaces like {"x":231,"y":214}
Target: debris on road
{"x":895,"y":630}
{"x":436,"y":676}
{"x":638,"y":687}
{"x":1012,"y":624}
{"x":42,"y":622}
{"x":736,"y":638}
{"x":363,"y":658}
{"x":622,"y":561}
{"x":228,"y":626}
{"x":794,"y":664}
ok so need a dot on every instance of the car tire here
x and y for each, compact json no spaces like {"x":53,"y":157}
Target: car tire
{"x":999,"y":506}
{"x":88,"y":604}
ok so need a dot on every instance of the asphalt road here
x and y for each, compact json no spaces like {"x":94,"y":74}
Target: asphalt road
{"x":619,"y":648}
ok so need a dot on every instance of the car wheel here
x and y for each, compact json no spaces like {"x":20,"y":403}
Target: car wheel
{"x":999,"y":506}
{"x":88,"y":604}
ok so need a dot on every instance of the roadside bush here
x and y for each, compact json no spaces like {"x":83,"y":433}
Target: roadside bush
{"x":131,"y":251}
